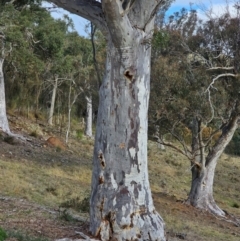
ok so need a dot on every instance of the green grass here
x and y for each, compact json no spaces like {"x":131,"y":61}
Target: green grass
{"x":3,"y":234}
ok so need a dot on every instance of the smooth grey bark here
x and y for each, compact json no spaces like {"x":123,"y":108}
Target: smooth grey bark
{"x":3,"y":114}
{"x":88,"y":129}
{"x":51,"y":111}
{"x":203,"y":170}
{"x":121,"y":202}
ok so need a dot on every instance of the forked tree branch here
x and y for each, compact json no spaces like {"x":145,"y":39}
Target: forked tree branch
{"x":218,"y":77}
{"x":143,"y":12}
{"x":118,"y":22}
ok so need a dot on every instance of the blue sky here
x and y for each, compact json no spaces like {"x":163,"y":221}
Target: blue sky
{"x":216,"y":5}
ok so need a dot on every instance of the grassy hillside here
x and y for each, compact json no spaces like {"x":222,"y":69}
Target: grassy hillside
{"x":49,"y":188}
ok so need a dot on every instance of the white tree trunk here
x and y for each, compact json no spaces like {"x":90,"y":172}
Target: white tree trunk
{"x":88,"y":130}
{"x":201,"y":193}
{"x":51,"y":111}
{"x":3,"y":115}
{"x":121,"y":202}
{"x":69,"y":113}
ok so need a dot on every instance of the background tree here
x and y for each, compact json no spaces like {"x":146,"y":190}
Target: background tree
{"x":199,"y":96}
{"x":16,"y":41}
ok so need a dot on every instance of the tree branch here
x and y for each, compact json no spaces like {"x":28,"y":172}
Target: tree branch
{"x":221,"y":68}
{"x":118,"y":22}
{"x":89,"y":9}
{"x":227,"y":134}
{"x":143,"y":12}
{"x":218,"y":77}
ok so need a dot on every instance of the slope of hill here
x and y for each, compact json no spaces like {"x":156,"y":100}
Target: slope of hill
{"x":44,"y":190}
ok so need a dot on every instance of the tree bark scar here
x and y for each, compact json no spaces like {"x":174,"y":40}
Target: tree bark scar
{"x":101,"y":206}
{"x":101,"y":179}
{"x":101,"y":159}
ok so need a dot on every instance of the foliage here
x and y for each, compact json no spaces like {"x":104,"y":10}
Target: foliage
{"x":3,"y":234}
{"x":80,"y":134}
{"x":233,"y":147}
{"x":79,"y":204}
{"x":39,"y":49}
{"x":183,"y":71}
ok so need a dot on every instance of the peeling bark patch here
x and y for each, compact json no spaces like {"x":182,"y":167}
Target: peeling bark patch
{"x":132,"y":152}
{"x":132,"y":124}
{"x":137,"y":188}
{"x":124,"y":191}
{"x":113,"y":181}
{"x":101,"y":206}
{"x":153,"y":222}
{"x":101,"y":180}
{"x":122,"y":145}
{"x":104,"y":230}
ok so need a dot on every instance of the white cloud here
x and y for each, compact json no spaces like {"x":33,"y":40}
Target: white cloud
{"x":205,"y":7}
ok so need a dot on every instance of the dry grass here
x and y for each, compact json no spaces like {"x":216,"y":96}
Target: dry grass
{"x":51,"y":178}
{"x":44,"y":184}
{"x":170,"y":175}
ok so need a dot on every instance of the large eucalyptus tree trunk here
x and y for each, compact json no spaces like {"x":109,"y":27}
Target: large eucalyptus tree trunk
{"x":3,"y":115}
{"x":203,"y":170}
{"x":121,"y":202}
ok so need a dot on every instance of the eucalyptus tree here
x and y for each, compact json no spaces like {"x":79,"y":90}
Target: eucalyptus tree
{"x":121,"y":202}
{"x":3,"y":115}
{"x":84,"y":75}
{"x":15,"y":41}
{"x":51,"y":46}
{"x":199,"y":91}
{"x":22,"y":67}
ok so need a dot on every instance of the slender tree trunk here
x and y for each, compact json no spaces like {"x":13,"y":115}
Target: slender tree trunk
{"x":51,"y":111}
{"x":121,"y":202}
{"x":3,"y":115}
{"x":70,"y":105}
{"x":39,"y":91}
{"x":88,"y":130}
{"x":69,"y":113}
{"x":201,"y":193}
